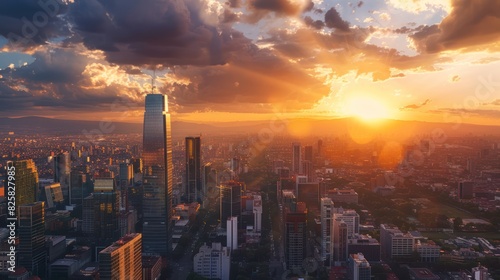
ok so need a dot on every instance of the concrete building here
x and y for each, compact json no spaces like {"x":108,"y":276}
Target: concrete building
{"x":62,"y":269}
{"x":394,"y":243}
{"x":365,"y":244}
{"x":359,"y":267}
{"x":422,"y":274}
{"x":428,"y":251}
{"x":351,"y":218}
{"x":232,"y":233}
{"x":343,"y":196}
{"x":213,"y":262}
{"x":151,"y":267}
{"x":327,"y":209}
{"x":466,"y":190}
{"x":31,"y":228}
{"x":257,"y":213}
{"x":295,"y":234}
{"x":480,"y":273}
{"x":296,"y":158}
{"x":123,"y":259}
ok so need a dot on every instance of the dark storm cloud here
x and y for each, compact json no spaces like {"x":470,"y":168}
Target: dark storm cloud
{"x":28,"y":23}
{"x":470,"y":23}
{"x":415,"y":106}
{"x":150,"y":32}
{"x":234,"y":3}
{"x":333,"y":20}
{"x":316,"y":24}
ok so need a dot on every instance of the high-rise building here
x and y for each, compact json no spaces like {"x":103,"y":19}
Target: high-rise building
{"x":359,"y":267}
{"x":466,"y":190}
{"x":79,"y":186}
{"x":326,"y":230}
{"x":52,"y":194}
{"x":295,"y":235}
{"x":106,"y":211}
{"x":257,"y":213}
{"x":213,"y":262}
{"x":339,"y":240}
{"x":308,"y":153}
{"x":62,"y":169}
{"x":193,"y":169}
{"x":232,"y":233}
{"x":308,"y":170}
{"x":123,"y":259}
{"x":31,"y":248}
{"x":350,"y":217}
{"x":394,"y":243}
{"x":230,"y":201}
{"x":320,"y":147}
{"x":26,"y":181}
{"x":157,"y":176}
{"x":296,"y":158}
{"x":125,"y":180}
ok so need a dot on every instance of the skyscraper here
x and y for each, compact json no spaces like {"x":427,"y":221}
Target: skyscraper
{"x":62,"y":169}
{"x":230,"y":202}
{"x":308,"y":153}
{"x":193,"y":169}
{"x":31,"y":248}
{"x":326,"y":230}
{"x":26,"y":181}
{"x":122,"y":260}
{"x":157,"y":180}
{"x":296,"y":158}
{"x":295,"y":235}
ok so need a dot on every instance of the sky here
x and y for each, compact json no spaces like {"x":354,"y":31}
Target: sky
{"x":428,"y":60}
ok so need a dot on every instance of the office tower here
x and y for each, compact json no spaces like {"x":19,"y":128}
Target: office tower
{"x":257,"y":213}
{"x":123,"y":259}
{"x":106,"y":211}
{"x":151,"y":267}
{"x":339,"y":240}
{"x":213,"y":262}
{"x":31,"y":248}
{"x":62,"y":168}
{"x":295,"y":235}
{"x":365,"y":244}
{"x":88,"y":215}
{"x":125,"y":180}
{"x":327,"y":208}
{"x":394,"y":243}
{"x":351,"y":218}
{"x":320,"y":147}
{"x":52,"y":195}
{"x":359,"y":267}
{"x":466,"y":190}
{"x":209,"y":181}
{"x":26,"y":181}
{"x":193,"y":169}
{"x":230,"y":201}
{"x":137,"y":165}
{"x":308,"y":153}
{"x":232,"y":233}
{"x":308,"y":170}
{"x":296,"y":158}
{"x":157,"y":176}
{"x":79,"y":186}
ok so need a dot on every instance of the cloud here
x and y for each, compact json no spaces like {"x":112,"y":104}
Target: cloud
{"x":153,"y":32}
{"x":415,"y":106}
{"x":419,"y":6}
{"x":470,"y":23}
{"x":455,"y":78}
{"x":27,"y":24}
{"x":333,"y":20}
{"x":316,"y":24}
{"x":282,"y":7}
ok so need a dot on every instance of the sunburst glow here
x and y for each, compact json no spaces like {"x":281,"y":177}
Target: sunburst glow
{"x":366,"y":108}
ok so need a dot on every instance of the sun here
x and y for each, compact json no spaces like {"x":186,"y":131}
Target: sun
{"x":366,"y":108}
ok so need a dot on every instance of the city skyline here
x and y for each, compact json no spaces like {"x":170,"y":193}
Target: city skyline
{"x":252,"y":59}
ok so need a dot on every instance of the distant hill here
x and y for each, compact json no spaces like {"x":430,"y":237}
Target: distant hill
{"x":297,"y":127}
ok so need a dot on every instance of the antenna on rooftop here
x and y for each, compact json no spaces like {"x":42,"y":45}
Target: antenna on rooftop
{"x":153,"y":79}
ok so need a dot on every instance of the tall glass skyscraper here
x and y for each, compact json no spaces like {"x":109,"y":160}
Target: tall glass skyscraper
{"x":193,"y":169}
{"x":157,"y":180}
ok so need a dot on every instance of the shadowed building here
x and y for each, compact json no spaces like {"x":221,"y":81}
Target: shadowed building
{"x":157,"y":180}
{"x":193,"y":169}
